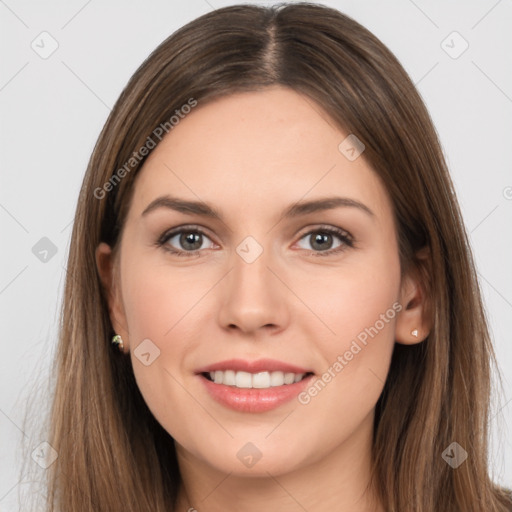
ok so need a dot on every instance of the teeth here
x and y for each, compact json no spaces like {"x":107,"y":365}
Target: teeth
{"x":261,"y":380}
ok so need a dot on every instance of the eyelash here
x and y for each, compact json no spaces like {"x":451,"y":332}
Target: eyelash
{"x":346,"y":239}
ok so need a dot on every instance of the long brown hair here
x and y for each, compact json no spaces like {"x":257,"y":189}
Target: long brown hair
{"x":112,"y":453}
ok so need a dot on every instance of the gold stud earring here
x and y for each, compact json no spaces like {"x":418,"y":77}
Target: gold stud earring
{"x":118,"y":341}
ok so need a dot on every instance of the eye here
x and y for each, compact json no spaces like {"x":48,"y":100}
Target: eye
{"x":321,"y":239}
{"x":189,"y":240}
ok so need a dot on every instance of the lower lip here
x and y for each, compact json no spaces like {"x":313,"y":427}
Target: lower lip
{"x":253,"y":399}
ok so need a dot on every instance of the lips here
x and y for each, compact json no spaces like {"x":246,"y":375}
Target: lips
{"x":252,"y":399}
{"x":261,"y":365}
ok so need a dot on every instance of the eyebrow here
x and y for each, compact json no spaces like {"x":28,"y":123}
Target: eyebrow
{"x":294,"y":210}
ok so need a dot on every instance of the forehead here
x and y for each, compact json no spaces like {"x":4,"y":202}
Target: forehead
{"x":250,"y":151}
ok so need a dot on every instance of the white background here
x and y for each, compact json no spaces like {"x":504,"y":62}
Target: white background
{"x":53,"y":109}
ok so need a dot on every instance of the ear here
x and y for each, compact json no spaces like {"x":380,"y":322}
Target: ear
{"x":414,"y":322}
{"x":110,"y":279}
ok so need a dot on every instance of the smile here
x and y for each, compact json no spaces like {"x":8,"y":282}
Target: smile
{"x":260,"y":380}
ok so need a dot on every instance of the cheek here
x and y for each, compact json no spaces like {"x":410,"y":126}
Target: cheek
{"x":362,"y":311}
{"x":359,"y":306}
{"x":366,"y":305}
{"x":353,"y":299}
{"x":159,"y":306}
{"x":159,"y":301}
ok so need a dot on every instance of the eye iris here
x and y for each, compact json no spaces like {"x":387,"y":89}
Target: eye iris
{"x":190,"y":238}
{"x":319,"y":238}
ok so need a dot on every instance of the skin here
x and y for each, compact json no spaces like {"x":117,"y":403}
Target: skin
{"x":252,"y":155}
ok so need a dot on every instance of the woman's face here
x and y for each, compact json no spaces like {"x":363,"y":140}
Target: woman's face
{"x":269,"y":278}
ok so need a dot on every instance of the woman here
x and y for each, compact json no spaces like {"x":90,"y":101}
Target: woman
{"x":250,"y":373}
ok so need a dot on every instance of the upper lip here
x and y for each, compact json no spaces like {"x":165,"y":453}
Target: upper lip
{"x":261,"y":365}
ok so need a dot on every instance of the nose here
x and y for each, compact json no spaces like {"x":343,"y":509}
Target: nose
{"x":254,"y":298}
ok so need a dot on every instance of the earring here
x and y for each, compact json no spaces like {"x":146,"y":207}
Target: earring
{"x":415,"y":333}
{"x":118,"y":341}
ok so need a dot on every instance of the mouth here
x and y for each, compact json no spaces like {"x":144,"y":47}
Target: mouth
{"x":248,"y":392}
{"x":260,"y":380}
{"x":253,"y":385}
